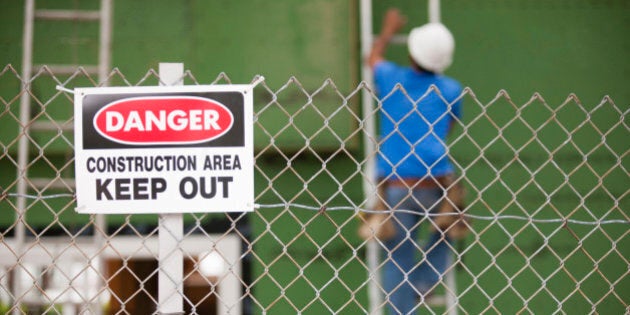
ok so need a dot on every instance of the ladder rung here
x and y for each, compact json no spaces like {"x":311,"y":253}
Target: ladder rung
{"x":398,"y":39}
{"x":51,"y":126}
{"x":75,"y":15}
{"x":66,"y":69}
{"x":52,"y":183}
{"x":436,"y":300}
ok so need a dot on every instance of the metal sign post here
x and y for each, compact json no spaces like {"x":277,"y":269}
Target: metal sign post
{"x":171,"y":231}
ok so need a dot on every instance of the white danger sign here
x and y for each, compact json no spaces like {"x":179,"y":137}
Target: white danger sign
{"x":164,"y":149}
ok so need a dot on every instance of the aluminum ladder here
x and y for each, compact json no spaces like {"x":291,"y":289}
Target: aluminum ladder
{"x":103,"y":16}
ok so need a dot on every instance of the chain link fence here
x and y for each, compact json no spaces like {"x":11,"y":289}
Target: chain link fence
{"x":548,"y":198}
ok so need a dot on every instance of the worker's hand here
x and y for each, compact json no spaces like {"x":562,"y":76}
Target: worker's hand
{"x":393,"y":21}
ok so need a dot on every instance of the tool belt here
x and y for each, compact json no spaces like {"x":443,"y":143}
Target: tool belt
{"x":450,"y":217}
{"x":416,"y":183}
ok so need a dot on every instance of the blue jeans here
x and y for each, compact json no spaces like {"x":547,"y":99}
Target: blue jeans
{"x":410,"y":270}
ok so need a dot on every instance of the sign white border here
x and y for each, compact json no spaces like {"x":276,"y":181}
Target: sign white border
{"x":240,"y":190}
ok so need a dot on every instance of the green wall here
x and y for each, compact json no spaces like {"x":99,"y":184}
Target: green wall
{"x":553,"y":48}
{"x":548,"y":163}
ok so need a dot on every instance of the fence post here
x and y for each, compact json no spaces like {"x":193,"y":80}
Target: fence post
{"x":171,"y":231}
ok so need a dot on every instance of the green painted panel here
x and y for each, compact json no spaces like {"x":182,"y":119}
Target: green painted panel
{"x":549,"y":163}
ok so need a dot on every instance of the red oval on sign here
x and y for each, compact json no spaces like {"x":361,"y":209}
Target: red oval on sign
{"x":163,"y":120}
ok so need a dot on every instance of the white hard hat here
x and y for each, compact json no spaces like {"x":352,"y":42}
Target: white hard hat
{"x":431,"y":46}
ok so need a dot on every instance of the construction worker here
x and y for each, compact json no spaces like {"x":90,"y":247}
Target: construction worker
{"x":418,"y":108}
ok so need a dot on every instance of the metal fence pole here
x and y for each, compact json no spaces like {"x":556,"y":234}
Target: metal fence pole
{"x":171,"y":231}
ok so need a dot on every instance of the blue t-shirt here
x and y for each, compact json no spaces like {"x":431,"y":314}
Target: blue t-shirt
{"x":414,"y":121}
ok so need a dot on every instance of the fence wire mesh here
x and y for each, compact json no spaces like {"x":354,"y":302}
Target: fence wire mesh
{"x":548,"y":196}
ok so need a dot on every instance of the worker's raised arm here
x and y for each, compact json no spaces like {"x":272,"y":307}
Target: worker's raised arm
{"x":392,"y":23}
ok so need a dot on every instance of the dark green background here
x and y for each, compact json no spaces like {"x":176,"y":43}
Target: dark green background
{"x":544,"y":136}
